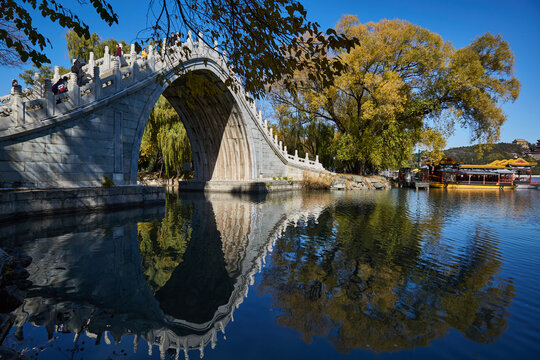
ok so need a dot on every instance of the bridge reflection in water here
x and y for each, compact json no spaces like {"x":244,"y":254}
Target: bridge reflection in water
{"x":173,"y":279}
{"x":366,"y":271}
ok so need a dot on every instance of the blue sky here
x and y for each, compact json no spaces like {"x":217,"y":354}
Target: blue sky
{"x":457,"y":21}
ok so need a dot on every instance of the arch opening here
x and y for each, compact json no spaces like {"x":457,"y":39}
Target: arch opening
{"x":165,"y":149}
{"x":213,"y":125}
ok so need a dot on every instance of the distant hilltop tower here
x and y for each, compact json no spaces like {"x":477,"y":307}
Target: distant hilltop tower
{"x":522,"y":142}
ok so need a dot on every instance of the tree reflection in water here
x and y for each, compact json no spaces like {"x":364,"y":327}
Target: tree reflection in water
{"x":183,"y":261}
{"x":363,"y":274}
{"x":163,"y":243}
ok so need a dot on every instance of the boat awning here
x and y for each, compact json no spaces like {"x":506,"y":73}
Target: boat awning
{"x":477,"y":172}
{"x":484,"y":172}
{"x":520,"y":163}
{"x":502,"y":164}
{"x":488,"y":166}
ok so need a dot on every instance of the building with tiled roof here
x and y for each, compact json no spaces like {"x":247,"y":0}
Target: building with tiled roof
{"x":521,"y":142}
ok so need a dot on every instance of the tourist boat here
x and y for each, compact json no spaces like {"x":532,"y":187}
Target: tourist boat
{"x":523,"y":178}
{"x":500,"y":174}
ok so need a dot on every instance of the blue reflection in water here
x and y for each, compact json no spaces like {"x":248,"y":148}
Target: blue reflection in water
{"x":443,"y":274}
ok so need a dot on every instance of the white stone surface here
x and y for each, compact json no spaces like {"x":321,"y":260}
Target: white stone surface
{"x":102,"y":122}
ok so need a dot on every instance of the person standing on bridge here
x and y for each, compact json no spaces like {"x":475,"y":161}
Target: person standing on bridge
{"x":118,"y":51}
{"x":171,"y":41}
{"x":119,"y":57}
{"x":60,"y":86}
{"x":78,"y":70}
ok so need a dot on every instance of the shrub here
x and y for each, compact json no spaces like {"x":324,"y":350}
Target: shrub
{"x":319,"y":182}
{"x":107,"y":182}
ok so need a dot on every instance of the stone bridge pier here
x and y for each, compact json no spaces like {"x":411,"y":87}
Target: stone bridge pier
{"x":95,"y":130}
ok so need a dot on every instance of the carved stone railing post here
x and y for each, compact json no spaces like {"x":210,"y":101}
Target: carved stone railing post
{"x":133,"y":57}
{"x":307,"y":157}
{"x":285,"y":150}
{"x":91,"y":62}
{"x":134,"y":65}
{"x":117,"y":74}
{"x":215,"y":53}
{"x":189,"y":43}
{"x":202,"y":45}
{"x":56,"y":75}
{"x":106,"y":59}
{"x":316,"y":159}
{"x":296,"y":155}
{"x":73,"y":89}
{"x":16,"y":89}
{"x":49,"y":97}
{"x":224,"y":59}
{"x":37,"y":88}
{"x":17,"y":103}
{"x":151,"y":59}
{"x":135,"y":72}
{"x":97,"y":83}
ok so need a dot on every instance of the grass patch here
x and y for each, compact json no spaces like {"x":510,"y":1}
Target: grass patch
{"x":317,"y":182}
{"x":107,"y":183}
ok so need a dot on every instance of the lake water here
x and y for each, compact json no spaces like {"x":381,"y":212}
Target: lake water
{"x":333,"y":275}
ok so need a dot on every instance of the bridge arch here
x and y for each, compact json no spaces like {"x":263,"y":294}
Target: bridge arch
{"x":215,"y":124}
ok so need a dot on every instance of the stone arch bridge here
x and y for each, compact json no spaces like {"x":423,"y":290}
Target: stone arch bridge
{"x":95,"y":130}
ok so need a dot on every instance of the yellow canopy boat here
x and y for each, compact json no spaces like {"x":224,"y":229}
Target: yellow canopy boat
{"x":498,"y":174}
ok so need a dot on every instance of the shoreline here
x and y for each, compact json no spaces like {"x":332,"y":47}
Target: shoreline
{"x":16,"y":203}
{"x":34,"y":202}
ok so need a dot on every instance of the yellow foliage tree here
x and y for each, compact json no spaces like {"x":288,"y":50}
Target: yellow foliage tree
{"x":403,"y":85}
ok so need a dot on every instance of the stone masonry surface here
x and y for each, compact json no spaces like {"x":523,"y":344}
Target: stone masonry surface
{"x":24,"y":203}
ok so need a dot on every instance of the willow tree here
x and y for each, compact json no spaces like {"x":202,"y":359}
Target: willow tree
{"x":404,"y":85}
{"x":165,"y":146}
{"x":163,"y":244}
{"x":305,"y":133}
